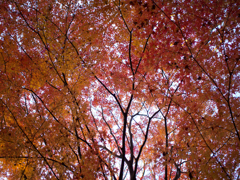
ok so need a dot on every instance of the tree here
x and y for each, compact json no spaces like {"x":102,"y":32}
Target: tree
{"x":125,"y":89}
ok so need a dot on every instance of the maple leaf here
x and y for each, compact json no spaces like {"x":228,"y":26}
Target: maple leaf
{"x":114,"y":89}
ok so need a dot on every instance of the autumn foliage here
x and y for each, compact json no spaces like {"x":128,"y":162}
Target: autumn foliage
{"x":119,"y":89}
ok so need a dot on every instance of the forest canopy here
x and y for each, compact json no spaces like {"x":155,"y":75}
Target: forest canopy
{"x":119,"y":89}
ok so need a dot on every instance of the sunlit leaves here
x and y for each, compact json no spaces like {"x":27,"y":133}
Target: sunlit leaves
{"x":90,"y":87}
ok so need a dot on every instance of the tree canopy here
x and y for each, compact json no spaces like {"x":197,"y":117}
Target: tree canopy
{"x":119,"y":89}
